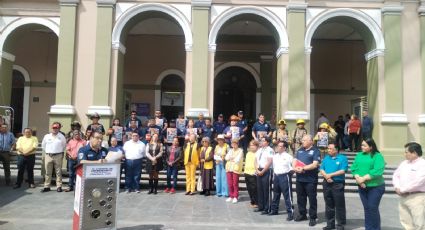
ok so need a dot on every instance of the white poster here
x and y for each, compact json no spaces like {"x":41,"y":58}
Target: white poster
{"x":101,"y":171}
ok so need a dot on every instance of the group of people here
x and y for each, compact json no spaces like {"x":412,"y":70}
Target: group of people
{"x":269,"y":163}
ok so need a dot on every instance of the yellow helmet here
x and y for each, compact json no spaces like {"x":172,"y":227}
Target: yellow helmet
{"x":300,"y":121}
{"x":324,"y":126}
{"x":282,"y":122}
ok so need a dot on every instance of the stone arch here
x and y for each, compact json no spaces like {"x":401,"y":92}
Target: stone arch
{"x":245,"y":66}
{"x":269,"y":16}
{"x":169,"y":72}
{"x":345,"y":12}
{"x":25,"y":21}
{"x":169,"y":10}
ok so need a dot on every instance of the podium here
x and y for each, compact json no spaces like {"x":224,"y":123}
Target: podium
{"x":96,"y":189}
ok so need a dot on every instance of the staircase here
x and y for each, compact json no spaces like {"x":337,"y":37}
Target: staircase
{"x":350,"y":186}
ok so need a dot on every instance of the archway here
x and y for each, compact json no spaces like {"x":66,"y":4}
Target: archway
{"x":155,"y":37}
{"x":341,"y":42}
{"x":33,"y":43}
{"x":254,"y":37}
{"x":234,"y":90}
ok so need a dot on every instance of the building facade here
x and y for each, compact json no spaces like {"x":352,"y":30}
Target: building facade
{"x":63,"y":60}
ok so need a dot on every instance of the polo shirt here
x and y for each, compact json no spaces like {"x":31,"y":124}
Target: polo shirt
{"x":261,"y":127}
{"x":282,"y":163}
{"x":332,"y":164}
{"x":87,"y":153}
{"x":54,"y":144}
{"x":242,"y":123}
{"x":219,"y":127}
{"x":262,"y":155}
{"x":208,"y":132}
{"x":307,"y":157}
{"x":199,"y":124}
{"x":26,"y":143}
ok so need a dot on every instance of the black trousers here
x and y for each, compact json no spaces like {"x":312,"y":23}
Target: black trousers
{"x":251,"y":186}
{"x":264,"y":191}
{"x":25,"y":162}
{"x":307,"y":190}
{"x":333,"y":193}
{"x":354,"y":137}
{"x":282,"y":184}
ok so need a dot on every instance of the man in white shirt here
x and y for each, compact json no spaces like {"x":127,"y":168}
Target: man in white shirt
{"x":282,"y":167}
{"x":263,"y":165}
{"x":134,"y":152}
{"x":53,"y":146}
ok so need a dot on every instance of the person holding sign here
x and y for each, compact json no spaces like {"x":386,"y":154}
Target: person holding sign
{"x":233,"y":131}
{"x":153,"y":128}
{"x":281,"y":134}
{"x":190,"y":129}
{"x":171,"y":132}
{"x":117,"y":131}
{"x":306,"y":165}
{"x":325,"y":136}
{"x":261,"y":128}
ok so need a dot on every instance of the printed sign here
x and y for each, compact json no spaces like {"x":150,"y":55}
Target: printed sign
{"x":118,"y":132}
{"x":323,"y":139}
{"x":171,"y":133}
{"x":235,"y":132}
{"x":101,"y":171}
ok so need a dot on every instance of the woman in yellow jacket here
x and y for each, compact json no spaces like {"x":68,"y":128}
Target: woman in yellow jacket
{"x":207,"y":164}
{"x":191,"y":161}
{"x":234,"y":166}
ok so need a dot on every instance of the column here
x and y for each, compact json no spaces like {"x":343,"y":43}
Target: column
{"x":6,"y":71}
{"x":117,"y":78}
{"x":102,"y":69}
{"x":198,"y":82}
{"x":266,"y":68}
{"x":63,"y":110}
{"x":298,"y":93}
{"x":421,"y":12}
{"x":393,"y":119}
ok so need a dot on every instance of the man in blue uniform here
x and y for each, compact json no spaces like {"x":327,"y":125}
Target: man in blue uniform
{"x":333,"y":169}
{"x":220,"y":124}
{"x":93,"y":152}
{"x":261,"y":128}
{"x":306,"y":165}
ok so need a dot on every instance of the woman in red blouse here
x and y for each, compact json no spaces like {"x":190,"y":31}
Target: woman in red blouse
{"x":354,"y":127}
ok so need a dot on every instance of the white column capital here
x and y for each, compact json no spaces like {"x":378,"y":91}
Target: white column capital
{"x":101,"y":110}
{"x":194,"y":112}
{"x":421,"y":119}
{"x":119,"y":46}
{"x":212,"y":47}
{"x":392,"y":9}
{"x":282,"y":50}
{"x":69,"y":2}
{"x":7,"y":56}
{"x":296,"y":7}
{"x":294,"y":115}
{"x":421,"y":9}
{"x":374,"y":53}
{"x":399,"y":118}
{"x":201,"y":3}
{"x":107,"y":3}
{"x":62,"y":109}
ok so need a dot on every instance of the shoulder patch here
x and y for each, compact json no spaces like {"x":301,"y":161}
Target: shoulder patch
{"x":80,"y":156}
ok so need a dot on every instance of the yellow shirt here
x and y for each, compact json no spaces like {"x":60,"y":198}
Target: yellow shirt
{"x":250,"y":163}
{"x":26,"y":144}
{"x":207,"y":164}
{"x":195,"y":154}
{"x":234,"y":165}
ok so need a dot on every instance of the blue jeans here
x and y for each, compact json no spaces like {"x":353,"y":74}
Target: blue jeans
{"x":221,"y":181}
{"x":133,"y":170}
{"x":172,"y":171}
{"x":72,"y":171}
{"x":371,"y":197}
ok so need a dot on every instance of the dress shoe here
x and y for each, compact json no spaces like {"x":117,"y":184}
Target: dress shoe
{"x":340,"y":227}
{"x":290,"y":217}
{"x":273,"y":213}
{"x":312,"y":222}
{"x":70,"y":189}
{"x":59,"y":189}
{"x":45,"y":190}
{"x":150,"y":191}
{"x":187,"y":193}
{"x":300,"y":218}
{"x":264,"y":213}
{"x":31,"y":186}
{"x":192,"y":193}
{"x":207,"y":193}
{"x":328,"y":227}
